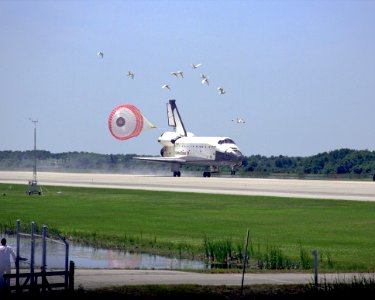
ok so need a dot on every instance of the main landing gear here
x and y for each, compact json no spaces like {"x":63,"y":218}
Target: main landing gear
{"x":211,"y":169}
{"x":176,"y":174}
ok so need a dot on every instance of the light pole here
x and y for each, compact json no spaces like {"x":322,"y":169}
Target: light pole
{"x":33,"y":184}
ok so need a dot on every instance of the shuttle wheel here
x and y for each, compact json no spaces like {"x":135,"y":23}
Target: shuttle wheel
{"x":176,"y":174}
{"x":206,"y":174}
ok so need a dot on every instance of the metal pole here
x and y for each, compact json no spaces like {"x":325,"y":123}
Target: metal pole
{"x":315,"y":252}
{"x":32,"y":254}
{"x":66,"y":264}
{"x":244,"y":260}
{"x":44,"y":245}
{"x":34,"y":151}
{"x":71,"y":276}
{"x":33,"y":184}
{"x":44,"y":258}
{"x":34,"y":167}
{"x":18,"y":255}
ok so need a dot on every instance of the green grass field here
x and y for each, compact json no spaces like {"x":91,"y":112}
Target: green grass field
{"x":173,"y":223}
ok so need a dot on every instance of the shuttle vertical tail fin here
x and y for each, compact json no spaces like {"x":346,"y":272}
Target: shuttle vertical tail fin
{"x":174,"y":118}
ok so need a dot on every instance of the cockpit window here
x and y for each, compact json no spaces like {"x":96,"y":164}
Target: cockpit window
{"x":226,"y":141}
{"x":237,"y":151}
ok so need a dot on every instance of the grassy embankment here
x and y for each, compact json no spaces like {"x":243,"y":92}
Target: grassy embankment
{"x":283,"y":231}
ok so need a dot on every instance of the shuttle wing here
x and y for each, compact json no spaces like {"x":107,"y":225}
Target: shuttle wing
{"x":184,"y":159}
{"x":161,"y":159}
{"x":181,"y":160}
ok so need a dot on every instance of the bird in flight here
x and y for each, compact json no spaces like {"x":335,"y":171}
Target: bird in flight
{"x":101,"y":54}
{"x":178,"y":73}
{"x":221,"y":90}
{"x":195,"y":66}
{"x":130,"y":74}
{"x":166,"y":86}
{"x":205,"y":81}
{"x":239,"y":120}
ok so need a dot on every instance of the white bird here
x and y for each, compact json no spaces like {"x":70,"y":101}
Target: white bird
{"x":203,"y":76}
{"x":178,"y":73}
{"x":221,"y":90}
{"x":205,"y":81}
{"x":239,"y":120}
{"x":130,"y":74}
{"x":101,"y":54}
{"x":195,"y":66}
{"x":166,"y":86}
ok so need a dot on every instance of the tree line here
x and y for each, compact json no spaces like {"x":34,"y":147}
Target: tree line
{"x":358,"y":163}
{"x":337,"y":163}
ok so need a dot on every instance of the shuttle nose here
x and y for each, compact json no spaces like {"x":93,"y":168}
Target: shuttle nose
{"x":232,"y":155}
{"x":239,"y":157}
{"x":236,"y":155}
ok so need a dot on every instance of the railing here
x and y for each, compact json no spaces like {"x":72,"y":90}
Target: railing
{"x":44,"y":279}
{"x":40,"y":281}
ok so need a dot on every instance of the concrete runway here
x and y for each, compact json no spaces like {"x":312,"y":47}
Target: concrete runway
{"x":318,"y":189}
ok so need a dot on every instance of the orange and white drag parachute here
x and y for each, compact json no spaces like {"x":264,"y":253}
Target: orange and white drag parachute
{"x":126,"y":121}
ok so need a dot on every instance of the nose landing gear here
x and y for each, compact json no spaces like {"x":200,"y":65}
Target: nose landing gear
{"x":175,"y":168}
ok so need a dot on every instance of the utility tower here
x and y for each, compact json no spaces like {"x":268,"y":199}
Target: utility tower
{"x":33,"y":184}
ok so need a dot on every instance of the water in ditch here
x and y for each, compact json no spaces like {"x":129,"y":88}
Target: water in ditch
{"x":86,"y":257}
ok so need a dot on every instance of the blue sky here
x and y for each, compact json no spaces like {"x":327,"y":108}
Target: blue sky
{"x":301,"y":73}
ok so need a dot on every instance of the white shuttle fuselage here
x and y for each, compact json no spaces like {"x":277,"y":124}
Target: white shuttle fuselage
{"x":181,"y":147}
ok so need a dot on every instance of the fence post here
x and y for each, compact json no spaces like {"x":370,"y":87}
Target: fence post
{"x":66,"y":277}
{"x":315,"y":252}
{"x":71,"y":277}
{"x":44,"y":258}
{"x":244,"y":260}
{"x":32,"y":255}
{"x":18,"y":256}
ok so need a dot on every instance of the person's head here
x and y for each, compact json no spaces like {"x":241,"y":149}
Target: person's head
{"x":3,"y":241}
